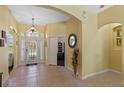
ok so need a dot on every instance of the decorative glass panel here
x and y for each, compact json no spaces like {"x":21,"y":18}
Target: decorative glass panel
{"x":117,"y":37}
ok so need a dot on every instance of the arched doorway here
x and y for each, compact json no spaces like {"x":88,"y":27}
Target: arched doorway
{"x":71,"y":30}
{"x":111,"y":44}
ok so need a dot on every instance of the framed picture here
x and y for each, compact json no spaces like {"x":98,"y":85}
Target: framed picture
{"x":1,"y":42}
{"x":3,"y":34}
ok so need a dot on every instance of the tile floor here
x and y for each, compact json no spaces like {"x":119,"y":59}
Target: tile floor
{"x":53,"y":76}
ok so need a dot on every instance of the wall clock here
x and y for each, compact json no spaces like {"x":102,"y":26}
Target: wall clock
{"x":72,"y":40}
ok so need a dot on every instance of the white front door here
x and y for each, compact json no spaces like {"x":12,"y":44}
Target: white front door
{"x":31,"y":50}
{"x":52,"y":50}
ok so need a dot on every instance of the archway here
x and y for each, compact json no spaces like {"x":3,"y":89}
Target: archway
{"x":111,"y":46}
{"x":76,"y":13}
{"x":78,"y":32}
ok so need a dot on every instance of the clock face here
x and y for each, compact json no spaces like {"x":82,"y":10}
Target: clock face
{"x":72,"y":40}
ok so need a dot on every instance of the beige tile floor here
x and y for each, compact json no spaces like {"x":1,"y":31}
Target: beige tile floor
{"x":53,"y":76}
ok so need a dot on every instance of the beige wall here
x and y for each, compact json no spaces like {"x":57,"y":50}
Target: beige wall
{"x":6,"y":20}
{"x":26,"y":27}
{"x":104,"y":47}
{"x":106,"y":17}
{"x":55,"y":29}
{"x":89,"y":45}
{"x":74,"y":26}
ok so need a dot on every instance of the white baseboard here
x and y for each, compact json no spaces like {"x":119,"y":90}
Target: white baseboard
{"x":115,"y":71}
{"x":100,"y":72}
{"x":5,"y":80}
{"x":95,"y":73}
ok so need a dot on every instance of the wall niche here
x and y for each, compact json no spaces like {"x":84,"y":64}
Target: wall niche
{"x":117,"y":37}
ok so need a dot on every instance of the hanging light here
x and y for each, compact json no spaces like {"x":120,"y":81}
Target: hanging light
{"x":32,"y":27}
{"x":32,"y":31}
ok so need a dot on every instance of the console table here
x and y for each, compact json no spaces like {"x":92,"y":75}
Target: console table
{"x":1,"y":79}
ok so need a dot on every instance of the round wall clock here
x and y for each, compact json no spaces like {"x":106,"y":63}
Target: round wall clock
{"x":72,"y":40}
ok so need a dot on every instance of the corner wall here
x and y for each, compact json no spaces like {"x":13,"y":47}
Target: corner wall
{"x":90,"y":59}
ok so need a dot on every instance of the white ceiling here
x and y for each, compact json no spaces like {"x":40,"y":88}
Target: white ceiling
{"x":24,"y":14}
{"x":95,"y":8}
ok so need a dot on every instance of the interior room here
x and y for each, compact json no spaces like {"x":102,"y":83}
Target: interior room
{"x":61,"y":46}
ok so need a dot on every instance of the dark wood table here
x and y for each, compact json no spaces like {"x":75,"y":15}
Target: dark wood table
{"x":1,"y":79}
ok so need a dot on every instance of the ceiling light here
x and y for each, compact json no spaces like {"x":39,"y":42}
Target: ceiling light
{"x":33,"y":26}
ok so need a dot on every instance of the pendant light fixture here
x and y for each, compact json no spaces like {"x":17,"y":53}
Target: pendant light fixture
{"x":33,"y":26}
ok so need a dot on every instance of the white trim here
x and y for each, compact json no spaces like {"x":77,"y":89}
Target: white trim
{"x":112,"y":70}
{"x":100,"y":72}
{"x":95,"y":73}
{"x":5,"y":80}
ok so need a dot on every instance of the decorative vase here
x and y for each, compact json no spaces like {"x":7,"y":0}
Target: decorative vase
{"x":75,"y":60}
{"x":75,"y":69}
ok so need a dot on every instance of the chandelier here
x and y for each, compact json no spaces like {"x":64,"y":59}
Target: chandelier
{"x":33,"y":26}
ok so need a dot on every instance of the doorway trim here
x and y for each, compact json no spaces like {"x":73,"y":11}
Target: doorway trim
{"x":57,"y":36}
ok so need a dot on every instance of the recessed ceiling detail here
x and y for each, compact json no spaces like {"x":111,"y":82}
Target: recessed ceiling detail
{"x":25,"y":13}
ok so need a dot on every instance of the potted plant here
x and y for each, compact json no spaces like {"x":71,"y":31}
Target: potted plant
{"x":75,"y":60}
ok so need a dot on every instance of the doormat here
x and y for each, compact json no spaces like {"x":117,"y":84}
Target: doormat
{"x":52,"y":65}
{"x":31,"y":64}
